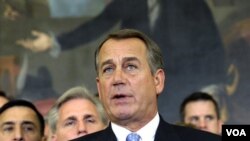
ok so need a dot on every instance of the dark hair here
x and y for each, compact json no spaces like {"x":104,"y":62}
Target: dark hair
{"x":198,"y":96}
{"x":4,"y":95}
{"x":154,"y":54}
{"x":24,"y":103}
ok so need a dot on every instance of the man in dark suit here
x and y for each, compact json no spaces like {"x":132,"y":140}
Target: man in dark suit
{"x":201,"y":110}
{"x":130,"y":77}
{"x":21,"y":121}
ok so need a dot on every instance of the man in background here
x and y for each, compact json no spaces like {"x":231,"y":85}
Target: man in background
{"x":201,"y":110}
{"x":76,"y":113}
{"x":21,"y":121}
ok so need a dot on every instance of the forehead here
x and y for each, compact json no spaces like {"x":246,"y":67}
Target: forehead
{"x":120,"y":46}
{"x":19,"y":114}
{"x":199,"y":108}
{"x":77,"y":107}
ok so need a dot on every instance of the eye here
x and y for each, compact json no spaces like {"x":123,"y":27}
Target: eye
{"x":69,"y":123}
{"x":209,"y":118}
{"x":194,"y":119}
{"x":8,"y":128}
{"x":131,"y":67}
{"x":90,"y":120}
{"x":108,"y":69}
{"x":28,"y":128}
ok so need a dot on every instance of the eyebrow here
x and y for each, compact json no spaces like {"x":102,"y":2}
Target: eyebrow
{"x":70,"y":118}
{"x":194,"y":117}
{"x":28,"y":123}
{"x":88,"y":116}
{"x":7,"y":123}
{"x":130,"y":59}
{"x":210,"y":115}
{"x":109,"y":61}
{"x":23,"y":123}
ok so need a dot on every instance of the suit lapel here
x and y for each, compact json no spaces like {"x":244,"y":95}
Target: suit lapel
{"x":108,"y":134}
{"x":165,"y":132}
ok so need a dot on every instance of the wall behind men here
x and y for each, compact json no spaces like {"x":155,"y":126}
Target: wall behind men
{"x":48,"y":77}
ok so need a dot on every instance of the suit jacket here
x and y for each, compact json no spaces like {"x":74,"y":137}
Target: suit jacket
{"x":165,"y":132}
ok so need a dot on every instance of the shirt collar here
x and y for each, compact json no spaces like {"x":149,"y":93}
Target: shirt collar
{"x":147,"y":132}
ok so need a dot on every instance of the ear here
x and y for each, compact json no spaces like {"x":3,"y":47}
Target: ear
{"x":44,"y":138}
{"x":98,"y":86}
{"x":53,"y":137}
{"x":220,"y":123}
{"x":159,"y":80}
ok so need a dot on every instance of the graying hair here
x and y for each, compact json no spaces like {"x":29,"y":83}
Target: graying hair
{"x":75,"y":93}
{"x":154,"y":54}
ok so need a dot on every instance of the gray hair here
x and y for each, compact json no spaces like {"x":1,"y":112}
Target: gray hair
{"x":75,"y":93}
{"x":154,"y":54}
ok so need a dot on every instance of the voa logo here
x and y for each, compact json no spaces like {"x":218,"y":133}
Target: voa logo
{"x":236,"y":132}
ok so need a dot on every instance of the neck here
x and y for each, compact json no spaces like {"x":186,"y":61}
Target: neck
{"x":135,"y":124}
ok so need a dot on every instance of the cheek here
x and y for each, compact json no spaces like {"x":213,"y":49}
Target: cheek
{"x":187,"y":121}
{"x":66,"y":134}
{"x":104,"y":90}
{"x":146,"y":81}
{"x":103,"y":86}
{"x":92,"y":129}
{"x":214,"y":125}
{"x":32,"y":137}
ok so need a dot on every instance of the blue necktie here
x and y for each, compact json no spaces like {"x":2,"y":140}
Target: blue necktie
{"x":133,"y":137}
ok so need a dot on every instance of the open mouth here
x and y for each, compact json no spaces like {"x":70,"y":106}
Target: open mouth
{"x":119,"y":96}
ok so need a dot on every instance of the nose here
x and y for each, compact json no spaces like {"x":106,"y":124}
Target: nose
{"x":118,"y":76}
{"x":82,"y":129}
{"x":18,"y":135}
{"x":202,"y":124}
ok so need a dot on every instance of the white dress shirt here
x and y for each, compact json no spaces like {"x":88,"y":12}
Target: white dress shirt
{"x":147,"y":133}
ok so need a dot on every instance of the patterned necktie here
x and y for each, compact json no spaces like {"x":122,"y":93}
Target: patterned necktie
{"x":133,"y":137}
